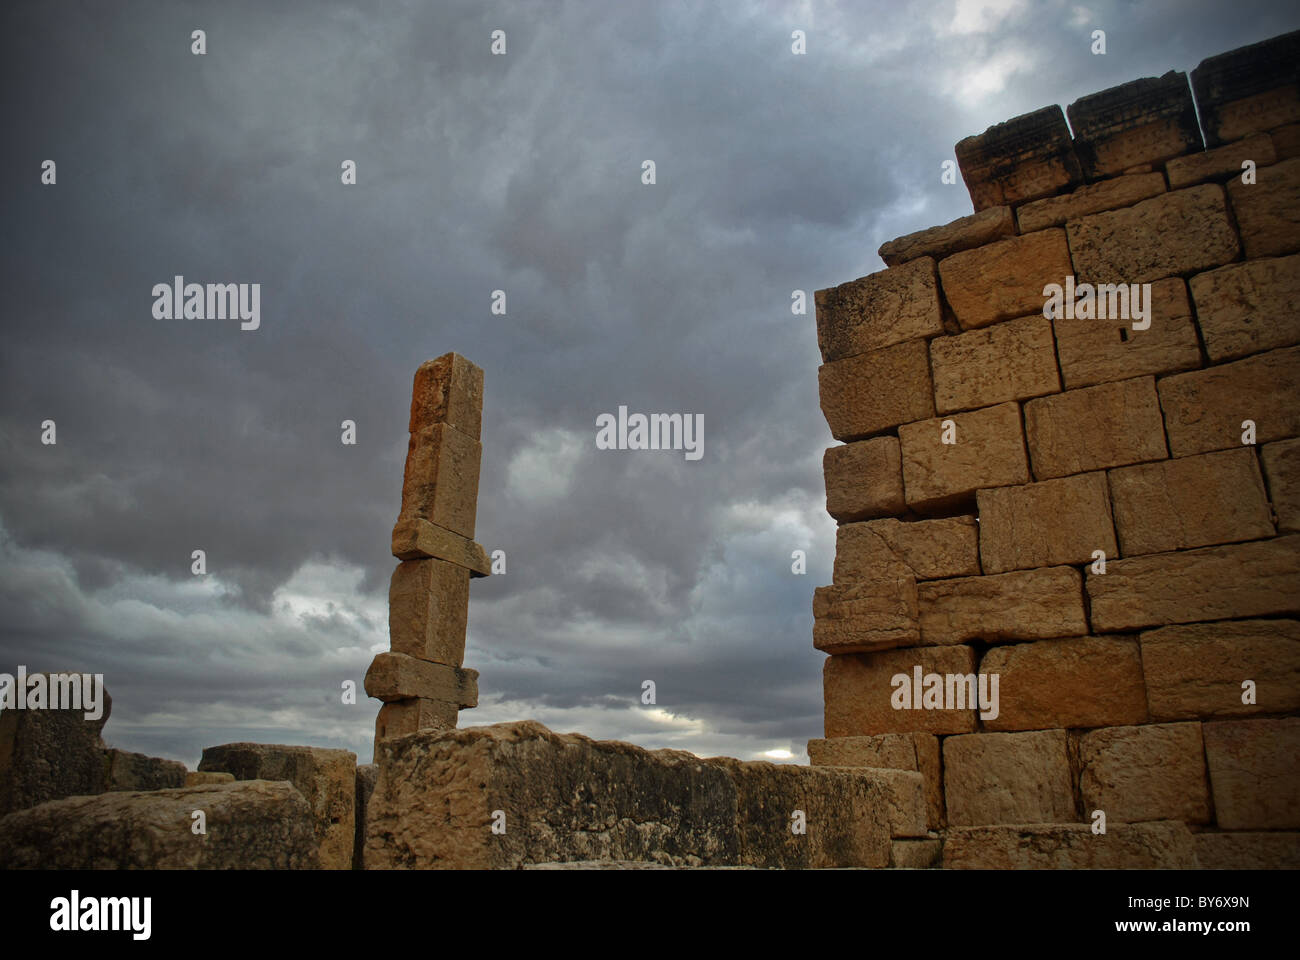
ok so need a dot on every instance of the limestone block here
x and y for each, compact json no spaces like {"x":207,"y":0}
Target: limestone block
{"x":918,"y":752}
{"x":1109,"y":425}
{"x":1024,"y":605}
{"x":428,"y":604}
{"x":879,"y":310}
{"x":1268,"y":210}
{"x":1159,"y":845}
{"x":1152,"y":772}
{"x":1080,"y":682}
{"x":1282,"y":467}
{"x":1044,"y":524}
{"x":915,"y":854}
{"x":875,"y":391}
{"x":1005,"y":279}
{"x":1255,"y":772}
{"x":922,"y":549}
{"x":1091,"y":198}
{"x":395,"y":676}
{"x":397,"y":718}
{"x":1024,"y":158}
{"x":1142,"y":121}
{"x":864,"y":479}
{"x":989,"y":452}
{"x":1248,"y":851}
{"x":1249,"y":307}
{"x":859,"y":689}
{"x":991,"y":778}
{"x":197,"y":778}
{"x":963,"y":233}
{"x":448,"y":390}
{"x":136,"y":771}
{"x":1249,"y":89}
{"x":865,"y":616}
{"x":441,"y":480}
{"x":1260,"y":578}
{"x":1221,"y":163}
{"x":413,"y":539}
{"x":1007,"y":361}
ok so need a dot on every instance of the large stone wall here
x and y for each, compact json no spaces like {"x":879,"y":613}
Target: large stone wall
{"x":1100,"y":511}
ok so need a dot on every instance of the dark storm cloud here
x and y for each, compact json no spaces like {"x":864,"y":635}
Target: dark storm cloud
{"x":476,"y":173}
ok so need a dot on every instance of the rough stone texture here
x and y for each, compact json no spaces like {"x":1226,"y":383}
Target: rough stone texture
{"x":413,"y":539}
{"x":367,"y":776}
{"x":1196,"y":670}
{"x":1282,"y":467}
{"x":963,"y":233}
{"x":254,"y":825}
{"x":1268,"y":210}
{"x":570,"y":798}
{"x":902,"y":797}
{"x":448,"y":390}
{"x":1004,"y":280}
{"x":1286,"y":141}
{"x":1161,"y":845}
{"x":397,"y":718}
{"x":1190,"y":502}
{"x":918,"y":752}
{"x":864,"y":479}
{"x":441,"y":480}
{"x":428,"y":605}
{"x":858,"y":690}
{"x":1143,"y":121}
{"x":136,"y":771}
{"x":989,"y":452}
{"x":864,"y":616}
{"x":1220,"y":163}
{"x":879,"y":310}
{"x":1109,"y":425}
{"x":1154,"y":772}
{"x":1024,"y":158}
{"x":1096,"y":351}
{"x":50,"y":754}
{"x":395,"y":676}
{"x":1254,"y":579}
{"x":1248,"y":851}
{"x":1248,"y":89}
{"x":922,"y":549}
{"x":1080,"y":682}
{"x":991,"y":778}
{"x":1255,"y":773}
{"x":326,"y":778}
{"x":1007,"y":361}
{"x":1249,"y":307}
{"x":1204,"y":409}
{"x":1092,"y":198}
{"x":1025,"y":605}
{"x":875,"y":391}
{"x":1045,"y":524}
{"x":1173,"y":234}
{"x":915,"y":854}
{"x":196,"y":778}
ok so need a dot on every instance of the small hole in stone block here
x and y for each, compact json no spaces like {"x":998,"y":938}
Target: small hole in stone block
{"x":1123,"y":334}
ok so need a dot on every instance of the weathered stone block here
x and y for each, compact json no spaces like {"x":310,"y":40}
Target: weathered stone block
{"x":993,"y":778}
{"x":1282,"y":467}
{"x":923,"y":549}
{"x":1249,"y":307}
{"x":1024,"y":158}
{"x":1221,"y":163}
{"x":1254,"y":774}
{"x":875,"y":391}
{"x":1007,"y":361}
{"x":197,"y":778}
{"x":441,"y":480}
{"x":397,"y":718}
{"x":1004,"y":280}
{"x":1190,"y":502}
{"x":1286,"y":141}
{"x":1205,"y":409}
{"x":326,"y":778}
{"x":1152,"y":772}
{"x":413,"y":539}
{"x":136,"y":771}
{"x":1098,"y":351}
{"x":1143,"y":121}
{"x":989,"y":452}
{"x":1045,"y":524}
{"x":1024,"y":605}
{"x":1161,"y":845}
{"x":428,"y":605}
{"x":1173,"y":234}
{"x":963,"y":233}
{"x":367,"y":776}
{"x":1248,"y":851}
{"x":858,"y":691}
{"x":448,"y":390}
{"x":1092,"y":198}
{"x":918,"y":752}
{"x":864,"y":616}
{"x":395,"y":676}
{"x":879,"y":310}
{"x":1249,"y":89}
{"x":915,"y":854}
{"x":1197,"y":670}
{"x":1268,"y":210}
{"x":864,"y":479}
{"x":1080,"y":682}
{"x":1109,"y":425}
{"x":253,"y":825}
{"x":1260,"y":578}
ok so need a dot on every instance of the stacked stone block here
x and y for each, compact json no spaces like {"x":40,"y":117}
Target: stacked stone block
{"x":421,"y":680}
{"x":1079,"y":505}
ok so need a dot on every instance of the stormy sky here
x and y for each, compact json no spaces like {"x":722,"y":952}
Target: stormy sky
{"x":523,"y":172}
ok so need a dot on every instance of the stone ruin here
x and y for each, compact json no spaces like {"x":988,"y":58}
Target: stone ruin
{"x":1101,"y":512}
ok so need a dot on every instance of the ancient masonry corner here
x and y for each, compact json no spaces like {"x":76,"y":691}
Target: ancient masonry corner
{"x":1097,"y":510}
